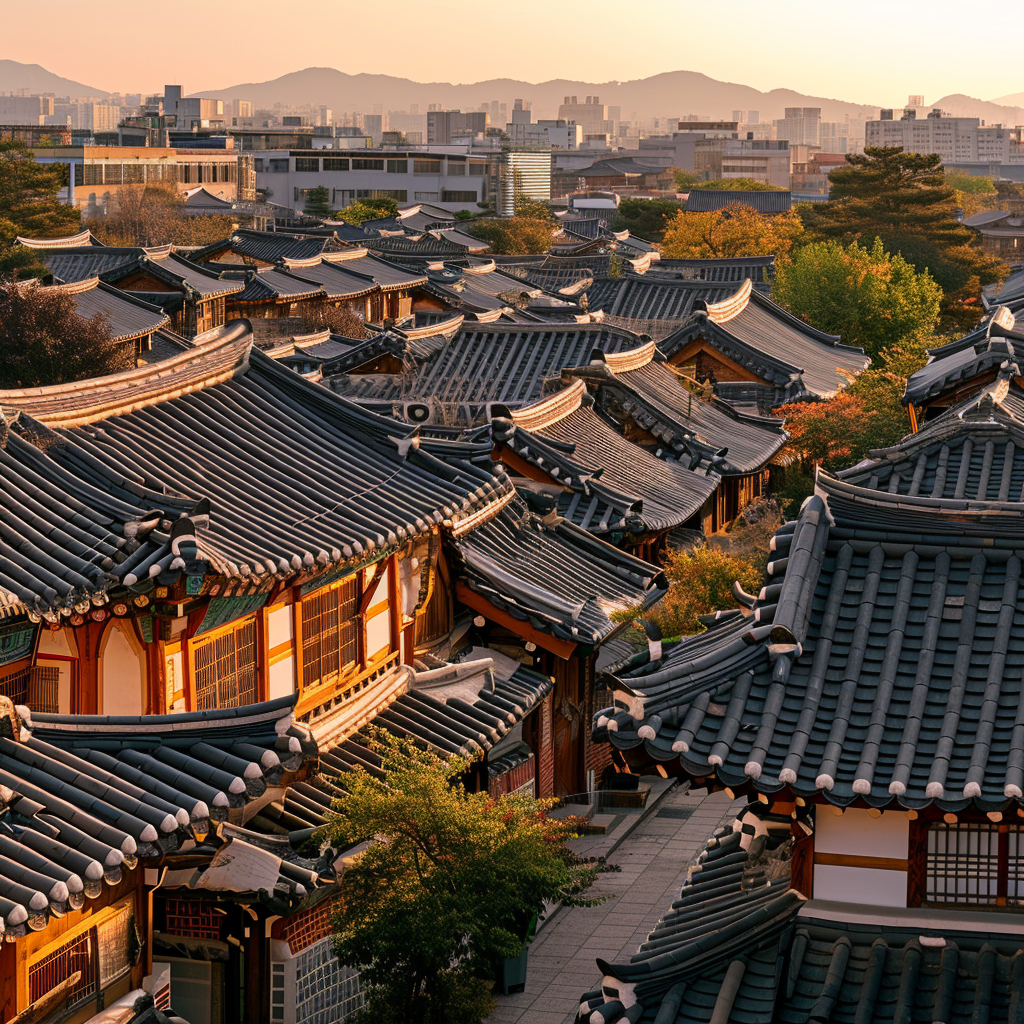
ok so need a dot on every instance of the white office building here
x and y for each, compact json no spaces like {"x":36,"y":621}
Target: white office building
{"x":456,"y":180}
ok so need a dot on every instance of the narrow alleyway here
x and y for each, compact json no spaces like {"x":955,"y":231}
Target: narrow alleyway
{"x":654,"y":859}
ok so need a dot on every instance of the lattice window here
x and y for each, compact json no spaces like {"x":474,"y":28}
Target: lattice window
{"x":325,"y":992}
{"x":434,"y":619}
{"x":14,"y":684}
{"x":76,"y":956}
{"x":975,"y":864}
{"x":113,"y":943}
{"x":192,"y":919}
{"x":44,"y":689}
{"x":330,"y":632}
{"x":224,"y":667}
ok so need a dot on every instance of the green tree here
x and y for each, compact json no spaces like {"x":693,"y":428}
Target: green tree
{"x":645,"y":218}
{"x":530,"y":208}
{"x":685,"y":180}
{"x":318,"y":202}
{"x":868,"y":297}
{"x":903,"y":199}
{"x":368,"y":209}
{"x":448,"y":886}
{"x":739,"y":185}
{"x":44,"y":341}
{"x":29,"y":207}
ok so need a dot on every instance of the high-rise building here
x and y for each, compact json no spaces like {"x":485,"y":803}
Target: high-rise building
{"x":523,"y":174}
{"x":801,"y":126}
{"x":445,"y":125}
{"x":25,"y":109}
{"x":591,"y":115}
{"x":955,"y":139}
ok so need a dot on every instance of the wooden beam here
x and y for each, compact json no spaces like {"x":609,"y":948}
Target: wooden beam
{"x":845,"y":860}
{"x":560,"y":648}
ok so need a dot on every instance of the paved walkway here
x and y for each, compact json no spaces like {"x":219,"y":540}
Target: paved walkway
{"x":654,"y":859}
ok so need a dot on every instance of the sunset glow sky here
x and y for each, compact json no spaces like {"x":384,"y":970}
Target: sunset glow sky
{"x":872,"y":51}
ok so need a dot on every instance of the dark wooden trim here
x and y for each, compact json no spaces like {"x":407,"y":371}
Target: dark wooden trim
{"x":801,"y":869}
{"x":560,"y":648}
{"x":846,"y":860}
{"x":917,"y":856}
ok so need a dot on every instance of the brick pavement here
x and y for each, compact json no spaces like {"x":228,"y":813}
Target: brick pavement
{"x":654,"y":860}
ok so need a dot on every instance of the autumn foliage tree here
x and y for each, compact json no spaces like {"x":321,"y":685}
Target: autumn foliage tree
{"x":528,"y":231}
{"x":867,"y":414}
{"x":870,"y":298}
{"x":448,"y":885}
{"x":44,"y":341}
{"x":734,"y":231}
{"x":700,"y":581}
{"x":155,"y":215}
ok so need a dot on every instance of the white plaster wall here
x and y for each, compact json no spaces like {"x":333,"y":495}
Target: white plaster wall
{"x":59,"y":642}
{"x":123,"y":675}
{"x":860,"y":885}
{"x":280,"y":626}
{"x":857,"y":833}
{"x":281,"y":678}
{"x":378,"y":633}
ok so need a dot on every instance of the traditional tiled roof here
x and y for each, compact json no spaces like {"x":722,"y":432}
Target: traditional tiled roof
{"x":879,"y":664}
{"x":453,"y":709}
{"x":272,"y":246}
{"x":429,"y":245}
{"x":275,"y":285}
{"x":605,"y":483}
{"x":507,"y":363}
{"x":792,"y":357}
{"x":705,"y":200}
{"x":336,"y":278}
{"x":128,"y":317}
{"x":733,"y":270}
{"x":554,"y":576}
{"x":1010,"y":291}
{"x":470,"y":293}
{"x":740,"y":945}
{"x":955,"y":366}
{"x":652,"y":305}
{"x":972,"y":454}
{"x":85,"y":237}
{"x":641,"y":388}
{"x":115,"y":264}
{"x":227,"y":445}
{"x":386,"y":275}
{"x":84,"y":797}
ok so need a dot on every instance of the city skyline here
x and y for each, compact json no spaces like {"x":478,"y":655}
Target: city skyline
{"x":656,"y":40}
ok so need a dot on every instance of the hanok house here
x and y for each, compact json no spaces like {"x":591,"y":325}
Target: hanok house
{"x":117,"y":832}
{"x":542,"y":588}
{"x":506,"y":363}
{"x":273,"y":293}
{"x":757,"y":354}
{"x":961,"y":368}
{"x":570,"y":459}
{"x":266,"y":248}
{"x":868,"y":699}
{"x":392,"y":291}
{"x":132,"y":321}
{"x":655,"y":406}
{"x":192,"y":296}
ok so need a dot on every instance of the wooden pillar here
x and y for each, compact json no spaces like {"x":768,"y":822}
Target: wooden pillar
{"x":257,"y":972}
{"x":8,"y":981}
{"x":917,"y":862}
{"x":801,"y":870}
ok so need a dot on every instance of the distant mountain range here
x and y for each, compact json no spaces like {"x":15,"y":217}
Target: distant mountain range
{"x":672,"y":93}
{"x":33,"y":78}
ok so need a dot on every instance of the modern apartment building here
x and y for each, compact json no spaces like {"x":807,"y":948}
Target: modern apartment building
{"x":765,"y":160}
{"x":557,"y":134}
{"x":955,"y":139}
{"x":801,"y":126}
{"x":592,"y":115}
{"x":25,"y":109}
{"x":456,"y":180}
{"x":445,"y":125}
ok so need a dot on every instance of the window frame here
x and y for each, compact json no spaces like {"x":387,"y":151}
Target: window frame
{"x":347,"y":596}
{"x":215,"y":638}
{"x":992,"y":858}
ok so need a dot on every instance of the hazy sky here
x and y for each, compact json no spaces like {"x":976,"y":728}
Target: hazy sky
{"x":869,"y":51}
